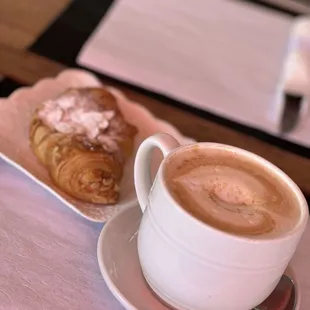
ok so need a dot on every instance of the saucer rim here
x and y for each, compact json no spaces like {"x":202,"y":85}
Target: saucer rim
{"x":103,"y":269}
{"x":120,"y":296}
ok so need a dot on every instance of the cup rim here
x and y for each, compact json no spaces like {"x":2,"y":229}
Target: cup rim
{"x":302,"y":203}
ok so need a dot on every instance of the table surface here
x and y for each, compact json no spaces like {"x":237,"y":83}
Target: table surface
{"x":20,"y":24}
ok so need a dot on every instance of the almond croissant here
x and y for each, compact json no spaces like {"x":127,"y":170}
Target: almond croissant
{"x":83,"y":140}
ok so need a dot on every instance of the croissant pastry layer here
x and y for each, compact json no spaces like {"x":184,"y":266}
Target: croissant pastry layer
{"x":83,"y":141}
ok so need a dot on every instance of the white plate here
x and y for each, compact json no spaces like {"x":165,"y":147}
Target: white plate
{"x":119,"y":263}
{"x":16,"y":113}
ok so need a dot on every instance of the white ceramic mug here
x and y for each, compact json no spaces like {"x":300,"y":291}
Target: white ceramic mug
{"x":193,"y":266}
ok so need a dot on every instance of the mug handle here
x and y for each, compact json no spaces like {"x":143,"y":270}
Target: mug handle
{"x":142,"y":171}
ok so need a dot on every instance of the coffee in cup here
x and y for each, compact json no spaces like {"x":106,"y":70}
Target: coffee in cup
{"x":230,"y":192}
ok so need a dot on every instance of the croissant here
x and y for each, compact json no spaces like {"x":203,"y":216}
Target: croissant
{"x":83,"y":141}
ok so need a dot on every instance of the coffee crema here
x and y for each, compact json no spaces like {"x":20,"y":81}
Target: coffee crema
{"x":230,"y":192}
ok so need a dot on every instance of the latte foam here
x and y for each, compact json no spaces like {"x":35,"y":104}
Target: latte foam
{"x":230,"y":192}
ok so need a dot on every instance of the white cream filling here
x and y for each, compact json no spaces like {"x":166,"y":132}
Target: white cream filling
{"x":72,"y":115}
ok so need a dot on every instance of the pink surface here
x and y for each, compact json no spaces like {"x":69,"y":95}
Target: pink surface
{"x":47,"y":252}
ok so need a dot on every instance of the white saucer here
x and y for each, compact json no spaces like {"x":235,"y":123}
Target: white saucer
{"x":119,"y":263}
{"x":18,"y":110}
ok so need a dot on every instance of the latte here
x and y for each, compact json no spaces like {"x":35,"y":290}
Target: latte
{"x":231,"y":192}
